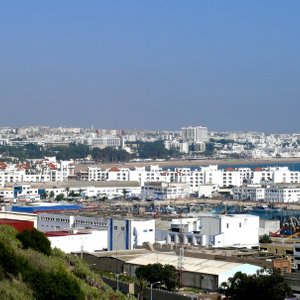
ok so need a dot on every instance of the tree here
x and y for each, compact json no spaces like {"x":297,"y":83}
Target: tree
{"x":166,"y":274}
{"x":170,"y":277}
{"x":209,"y":149}
{"x":35,"y":240}
{"x":265,"y":239}
{"x":51,"y":195}
{"x":260,"y":286}
{"x":151,"y":272}
{"x":142,"y":283}
{"x":71,"y":194}
{"x":124,"y":192}
{"x":153,"y":150}
{"x":60,"y":197}
{"x":29,"y":274}
{"x":55,"y":285}
{"x":110,"y":154}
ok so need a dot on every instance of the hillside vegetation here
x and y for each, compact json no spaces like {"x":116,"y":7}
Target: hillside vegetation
{"x":26,"y":273}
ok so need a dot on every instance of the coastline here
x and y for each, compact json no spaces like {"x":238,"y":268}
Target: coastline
{"x":200,"y":162}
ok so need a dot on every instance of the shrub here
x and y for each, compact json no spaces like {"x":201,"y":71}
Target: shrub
{"x":35,"y":240}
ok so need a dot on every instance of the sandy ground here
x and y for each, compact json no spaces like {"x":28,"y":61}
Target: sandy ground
{"x":206,"y":162}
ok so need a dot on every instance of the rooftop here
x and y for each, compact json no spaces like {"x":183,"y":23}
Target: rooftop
{"x":190,"y":264}
{"x":79,"y":184}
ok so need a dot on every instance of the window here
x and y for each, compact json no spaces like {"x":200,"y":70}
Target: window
{"x":240,"y":224}
{"x":227,"y":225}
{"x":115,"y":227}
{"x":123,"y":228}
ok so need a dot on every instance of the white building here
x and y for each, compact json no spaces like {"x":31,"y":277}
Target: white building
{"x":46,"y":170}
{"x":6,"y":194}
{"x":297,"y":256}
{"x":106,"y":141}
{"x":230,"y":230}
{"x":63,"y":221}
{"x":287,"y":193}
{"x":215,"y":231}
{"x":210,"y":175}
{"x":165,"y":190}
{"x":108,"y":189}
{"x":194,"y":134}
{"x":207,"y":190}
{"x":125,"y":234}
{"x":78,"y":240}
{"x":275,"y":175}
{"x":249,"y":192}
{"x":278,"y":193}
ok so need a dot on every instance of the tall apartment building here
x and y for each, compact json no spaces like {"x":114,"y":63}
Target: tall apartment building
{"x":196,"y":134}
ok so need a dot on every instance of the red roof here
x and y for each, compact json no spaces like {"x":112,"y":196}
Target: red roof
{"x":258,"y":169}
{"x":115,"y":169}
{"x":229,"y":169}
{"x":52,"y":166}
{"x":62,"y":233}
{"x":3,"y":165}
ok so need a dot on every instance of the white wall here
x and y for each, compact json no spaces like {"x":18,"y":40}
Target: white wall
{"x":124,"y":234}
{"x":142,"y":231}
{"x":240,"y":230}
{"x":231,"y":230}
{"x":207,"y":190}
{"x":90,"y":242}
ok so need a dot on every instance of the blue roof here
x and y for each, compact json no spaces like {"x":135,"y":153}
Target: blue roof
{"x":32,"y":209}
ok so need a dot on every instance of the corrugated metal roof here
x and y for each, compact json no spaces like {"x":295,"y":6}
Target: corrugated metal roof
{"x":32,"y":209}
{"x":190,"y":264}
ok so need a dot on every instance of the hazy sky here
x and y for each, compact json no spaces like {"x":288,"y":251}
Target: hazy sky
{"x":227,"y":65}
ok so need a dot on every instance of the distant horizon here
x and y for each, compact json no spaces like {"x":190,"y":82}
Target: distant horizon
{"x":142,"y":129}
{"x":227,"y":65}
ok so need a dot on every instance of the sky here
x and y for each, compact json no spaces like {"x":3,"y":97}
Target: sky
{"x":227,"y":65}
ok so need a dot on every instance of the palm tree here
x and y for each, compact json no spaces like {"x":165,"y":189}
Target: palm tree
{"x":142,"y":283}
{"x":124,"y":192}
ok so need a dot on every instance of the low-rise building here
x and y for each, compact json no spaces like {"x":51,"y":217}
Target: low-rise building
{"x":108,"y":189}
{"x":297,"y":256}
{"x":165,"y":190}
{"x":19,"y":216}
{"x":281,"y":193}
{"x":207,"y":190}
{"x":215,"y":231}
{"x":196,"y":272}
{"x":78,"y":240}
{"x":59,"y":221}
{"x":126,"y":234}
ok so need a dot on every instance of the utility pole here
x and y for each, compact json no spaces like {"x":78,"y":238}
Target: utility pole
{"x":181,"y":251}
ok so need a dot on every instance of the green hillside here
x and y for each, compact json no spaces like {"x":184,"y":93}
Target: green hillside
{"x":30,"y":274}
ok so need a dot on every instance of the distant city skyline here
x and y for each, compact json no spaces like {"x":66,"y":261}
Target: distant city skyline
{"x":156,"y":65}
{"x":109,"y":129}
